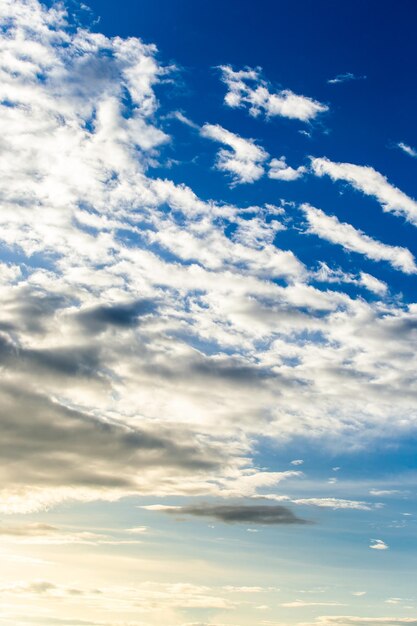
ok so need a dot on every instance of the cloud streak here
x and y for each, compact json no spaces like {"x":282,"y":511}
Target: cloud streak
{"x":331,"y":229}
{"x":370,"y":182}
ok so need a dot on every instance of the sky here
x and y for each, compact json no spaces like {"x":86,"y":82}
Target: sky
{"x":208,"y":326}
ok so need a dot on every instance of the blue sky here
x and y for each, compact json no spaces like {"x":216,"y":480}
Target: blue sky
{"x":208,"y":331}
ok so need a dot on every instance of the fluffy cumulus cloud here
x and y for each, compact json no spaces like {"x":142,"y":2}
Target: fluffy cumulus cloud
{"x":328,"y":227}
{"x":279,"y":170}
{"x":150,"y":338}
{"x":247,"y":88}
{"x":243,"y":161}
{"x":370,"y":182}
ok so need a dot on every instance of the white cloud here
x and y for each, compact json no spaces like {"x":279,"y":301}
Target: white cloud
{"x":343,"y":78}
{"x":179,"y":115}
{"x":164,"y":334}
{"x":247,"y":88}
{"x":371,"y":183}
{"x":279,"y":170}
{"x":373,"y":284}
{"x":378,"y":544}
{"x":331,"y":229}
{"x":245,"y":159}
{"x":297,"y":462}
{"x":407,"y":149}
{"x":335,"y":503}
{"x":337,"y":275}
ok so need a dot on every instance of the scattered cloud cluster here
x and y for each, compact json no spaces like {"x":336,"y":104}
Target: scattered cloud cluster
{"x":246,"y":88}
{"x":150,"y":338}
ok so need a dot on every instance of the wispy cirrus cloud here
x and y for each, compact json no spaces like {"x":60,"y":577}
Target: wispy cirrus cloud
{"x":247,"y":88}
{"x":344,"y":78}
{"x":407,"y":149}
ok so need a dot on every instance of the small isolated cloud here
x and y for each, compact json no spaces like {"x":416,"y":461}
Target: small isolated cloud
{"x":329,"y":228}
{"x":297,"y":462}
{"x":246,"y":88}
{"x":301,"y":603}
{"x":243,"y":161}
{"x":370,"y":182}
{"x":344,"y":78}
{"x":279,"y":170}
{"x":378,"y":544}
{"x":235,"y":513}
{"x":385,"y":492}
{"x":180,"y":117}
{"x":407,"y":149}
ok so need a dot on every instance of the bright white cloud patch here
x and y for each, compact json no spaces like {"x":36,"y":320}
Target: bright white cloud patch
{"x":331,"y":229}
{"x":244,"y":160}
{"x":246,"y":88}
{"x":330,"y":275}
{"x":279,"y":170}
{"x":370,"y":182}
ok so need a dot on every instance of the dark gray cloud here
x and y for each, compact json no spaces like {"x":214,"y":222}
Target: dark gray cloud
{"x":31,"y":310}
{"x":240,"y":513}
{"x":96,"y":319}
{"x":46,"y":444}
{"x":74,"y":361}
